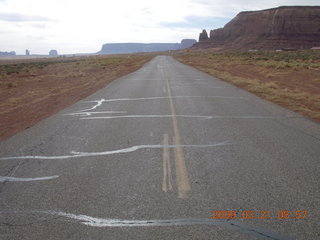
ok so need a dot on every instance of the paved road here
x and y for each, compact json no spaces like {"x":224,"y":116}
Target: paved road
{"x":156,"y":155}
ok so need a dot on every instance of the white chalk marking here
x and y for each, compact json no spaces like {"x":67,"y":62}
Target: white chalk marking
{"x":91,"y":113}
{"x":99,"y":103}
{"x":155,"y":98}
{"x":193,"y":85}
{"x":74,"y":154}
{"x":109,"y":222}
{"x":15,"y":179}
{"x":179,"y":116}
{"x":130,"y":116}
{"x":149,"y":80}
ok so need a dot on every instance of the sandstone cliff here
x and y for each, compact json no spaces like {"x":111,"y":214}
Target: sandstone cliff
{"x":296,"y":27}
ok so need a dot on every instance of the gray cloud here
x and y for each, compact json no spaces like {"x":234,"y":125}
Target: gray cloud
{"x":16,"y":17}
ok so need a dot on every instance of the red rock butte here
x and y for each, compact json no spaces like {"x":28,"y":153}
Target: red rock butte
{"x":294,"y":27}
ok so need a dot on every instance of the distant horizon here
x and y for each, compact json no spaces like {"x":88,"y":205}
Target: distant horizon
{"x":47,"y":54}
{"x":40,"y":26}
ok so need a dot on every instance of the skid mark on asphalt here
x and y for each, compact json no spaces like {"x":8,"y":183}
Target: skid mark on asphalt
{"x":16,"y":179}
{"x":74,"y":154}
{"x":109,"y":222}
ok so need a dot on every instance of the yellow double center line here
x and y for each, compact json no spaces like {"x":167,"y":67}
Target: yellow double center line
{"x":180,"y":165}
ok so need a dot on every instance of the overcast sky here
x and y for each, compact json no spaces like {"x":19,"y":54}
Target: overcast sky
{"x":82,"y":26}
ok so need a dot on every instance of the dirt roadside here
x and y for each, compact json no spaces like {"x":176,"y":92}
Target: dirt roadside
{"x":31,"y":90}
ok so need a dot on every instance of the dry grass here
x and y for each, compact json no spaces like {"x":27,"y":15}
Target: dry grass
{"x":289,"y":79}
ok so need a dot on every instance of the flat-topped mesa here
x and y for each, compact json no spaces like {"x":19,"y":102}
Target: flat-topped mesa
{"x":296,"y":27}
{"x":186,"y":43}
{"x":118,"y":48}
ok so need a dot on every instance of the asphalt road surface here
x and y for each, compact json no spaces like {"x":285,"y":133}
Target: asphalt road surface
{"x":166,"y":152}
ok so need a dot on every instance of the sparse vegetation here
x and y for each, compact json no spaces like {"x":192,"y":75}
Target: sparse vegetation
{"x":10,"y":85}
{"x":270,"y":59}
{"x":290,"y":79}
{"x":21,"y":67}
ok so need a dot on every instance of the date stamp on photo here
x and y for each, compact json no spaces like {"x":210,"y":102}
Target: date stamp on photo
{"x":260,"y":214}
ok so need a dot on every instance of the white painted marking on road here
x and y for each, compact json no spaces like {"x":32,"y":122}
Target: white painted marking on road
{"x":156,"y":98}
{"x":179,"y":116}
{"x":99,"y":103}
{"x":194,"y":85}
{"x":109,"y":222}
{"x":87,"y":112}
{"x":136,"y":116}
{"x":149,"y":80}
{"x":74,"y":154}
{"x":15,"y":179}
{"x":91,"y":113}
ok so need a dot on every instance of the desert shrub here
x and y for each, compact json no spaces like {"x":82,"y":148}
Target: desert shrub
{"x":11,"y":85}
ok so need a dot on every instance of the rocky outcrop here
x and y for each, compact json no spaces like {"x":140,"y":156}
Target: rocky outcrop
{"x":119,"y":48}
{"x":53,"y":53}
{"x":203,"y":36}
{"x":296,"y":27}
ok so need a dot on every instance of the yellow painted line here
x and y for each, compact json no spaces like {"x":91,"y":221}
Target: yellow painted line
{"x":166,"y":183}
{"x":180,"y":164}
{"x":181,"y":170}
